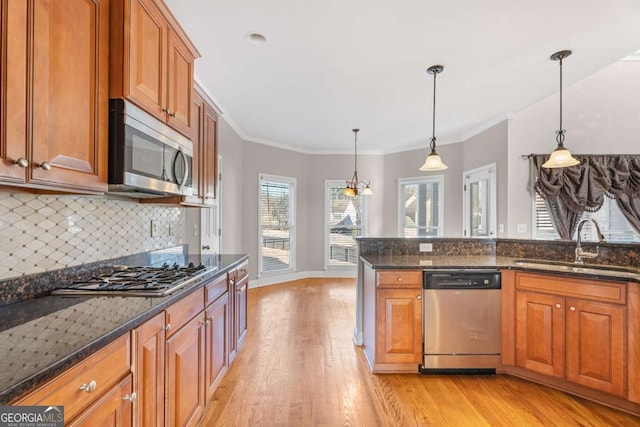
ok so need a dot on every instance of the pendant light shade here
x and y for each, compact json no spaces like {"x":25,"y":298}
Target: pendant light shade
{"x":560,"y":157}
{"x":354,"y":185}
{"x":433,"y":161}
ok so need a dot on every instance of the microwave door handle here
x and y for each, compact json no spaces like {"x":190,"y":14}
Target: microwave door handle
{"x":186,"y":168}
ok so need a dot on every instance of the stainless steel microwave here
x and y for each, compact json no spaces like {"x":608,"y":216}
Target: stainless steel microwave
{"x":147,"y":158}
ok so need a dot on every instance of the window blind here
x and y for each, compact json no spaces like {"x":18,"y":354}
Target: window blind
{"x":275,"y":225}
{"x":346,"y":215}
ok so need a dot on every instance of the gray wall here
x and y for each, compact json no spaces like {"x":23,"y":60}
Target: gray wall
{"x":231,"y":148}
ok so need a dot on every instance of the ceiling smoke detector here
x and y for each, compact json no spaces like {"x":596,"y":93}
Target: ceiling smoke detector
{"x":256,"y":38}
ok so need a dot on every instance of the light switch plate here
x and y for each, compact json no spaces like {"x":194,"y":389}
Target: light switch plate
{"x":154,"y":228}
{"x":522,"y":228}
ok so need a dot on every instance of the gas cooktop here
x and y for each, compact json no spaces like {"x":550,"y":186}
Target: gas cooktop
{"x":137,"y":281}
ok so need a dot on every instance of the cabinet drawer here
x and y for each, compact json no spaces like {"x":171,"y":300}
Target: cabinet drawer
{"x":100,"y":371}
{"x":214,"y":289}
{"x":399,"y":278}
{"x":184,"y":310}
{"x":581,"y":288}
{"x":242,"y":271}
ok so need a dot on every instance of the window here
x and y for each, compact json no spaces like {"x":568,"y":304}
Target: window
{"x":479,"y":206}
{"x":420,"y":206}
{"x":613,"y":224}
{"x":276,"y":225}
{"x":345,"y":221}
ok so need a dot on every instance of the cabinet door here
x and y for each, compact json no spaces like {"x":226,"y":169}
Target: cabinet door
{"x":113,"y":409}
{"x":242,"y":288}
{"x":233,"y":337}
{"x":147,"y":62}
{"x":210,"y":154}
{"x":148,"y":369}
{"x":13,"y":90}
{"x":540,"y":333}
{"x":217,"y":343}
{"x":399,"y":326}
{"x":595,"y":345}
{"x":179,"y":84}
{"x":70,"y":83}
{"x":197,"y":137}
{"x":184,"y":376}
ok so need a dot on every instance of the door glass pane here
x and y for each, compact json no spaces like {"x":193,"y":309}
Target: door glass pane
{"x":345,"y":224}
{"x":480,"y":212}
{"x":421,"y":209}
{"x":276,"y":204}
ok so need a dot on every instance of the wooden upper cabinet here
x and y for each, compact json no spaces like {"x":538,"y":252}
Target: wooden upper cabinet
{"x":152,"y":61}
{"x":209,"y":154}
{"x":54,"y":94}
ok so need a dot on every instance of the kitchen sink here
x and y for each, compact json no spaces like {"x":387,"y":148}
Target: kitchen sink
{"x":577,"y":268}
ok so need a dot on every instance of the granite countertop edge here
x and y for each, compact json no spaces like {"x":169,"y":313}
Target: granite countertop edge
{"x":589,"y":271}
{"x":15,"y":390}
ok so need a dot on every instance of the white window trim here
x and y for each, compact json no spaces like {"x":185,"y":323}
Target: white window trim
{"x":487,"y":171}
{"x":420,"y":180}
{"x":364,"y":215}
{"x":292,"y":223}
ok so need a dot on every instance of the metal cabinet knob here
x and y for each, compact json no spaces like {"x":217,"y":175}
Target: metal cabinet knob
{"x":232,"y":282}
{"x":165,"y":110}
{"x":558,"y":306}
{"x":130,"y":397}
{"x":172,"y":114}
{"x":400,"y":279}
{"x":89,"y":387}
{"x":206,"y":247}
{"x":45,"y":165}
{"x":168,"y":327}
{"x":22,"y":162}
{"x":419,"y":297}
{"x":572,"y":309}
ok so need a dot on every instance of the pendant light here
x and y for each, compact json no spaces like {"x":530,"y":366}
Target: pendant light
{"x":353,"y":185}
{"x":560,"y":157}
{"x":433,"y":161}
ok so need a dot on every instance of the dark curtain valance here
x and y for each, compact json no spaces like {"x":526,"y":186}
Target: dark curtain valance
{"x":571,"y":191}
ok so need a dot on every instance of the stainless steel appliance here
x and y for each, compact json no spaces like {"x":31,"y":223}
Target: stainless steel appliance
{"x":138,"y":281}
{"x":461,"y":315}
{"x":147,"y":158}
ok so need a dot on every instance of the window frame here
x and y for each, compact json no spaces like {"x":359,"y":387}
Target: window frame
{"x":334,"y":183}
{"x":438,"y":179}
{"x":292,"y":183}
{"x":488,"y":172}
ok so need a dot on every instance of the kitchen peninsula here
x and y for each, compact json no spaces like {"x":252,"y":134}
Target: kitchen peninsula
{"x":567,"y":326}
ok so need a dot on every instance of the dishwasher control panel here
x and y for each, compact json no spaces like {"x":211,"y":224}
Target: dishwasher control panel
{"x":461,"y":279}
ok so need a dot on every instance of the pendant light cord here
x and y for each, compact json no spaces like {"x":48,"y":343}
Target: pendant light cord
{"x":433,"y":135}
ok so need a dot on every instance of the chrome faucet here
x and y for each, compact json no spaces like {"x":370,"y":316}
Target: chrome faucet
{"x":585,"y":254}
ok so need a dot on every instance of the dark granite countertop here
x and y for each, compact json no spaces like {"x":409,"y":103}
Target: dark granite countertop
{"x":593,"y":271}
{"x":42,"y":337}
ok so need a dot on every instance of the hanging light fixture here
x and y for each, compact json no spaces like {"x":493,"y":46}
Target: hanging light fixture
{"x":353,"y":185}
{"x":560,"y":157}
{"x":433,"y":161}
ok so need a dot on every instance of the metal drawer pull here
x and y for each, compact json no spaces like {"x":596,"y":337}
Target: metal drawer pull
{"x":168,"y":327}
{"x":572,"y":309}
{"x":419,"y":297}
{"x":89,"y":387}
{"x":206,"y":247}
{"x":22,"y":162}
{"x":400,"y":279}
{"x":45,"y":165}
{"x":558,"y":306}
{"x":130,"y":397}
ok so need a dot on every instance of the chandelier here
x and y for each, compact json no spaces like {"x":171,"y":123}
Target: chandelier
{"x":354,"y":185}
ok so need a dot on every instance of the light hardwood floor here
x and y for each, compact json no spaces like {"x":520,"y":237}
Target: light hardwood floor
{"x":299,"y":367}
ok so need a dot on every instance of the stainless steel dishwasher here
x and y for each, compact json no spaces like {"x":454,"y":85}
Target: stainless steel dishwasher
{"x":461,"y":315}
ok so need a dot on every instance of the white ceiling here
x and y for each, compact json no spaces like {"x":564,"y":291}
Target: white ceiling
{"x":333,"y":65}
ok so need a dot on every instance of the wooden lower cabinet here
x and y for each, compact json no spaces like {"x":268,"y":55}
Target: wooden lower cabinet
{"x":148,"y":370}
{"x":241,"y":290}
{"x":114,"y":408}
{"x":392,"y":313}
{"x":573,"y":330}
{"x":399,"y":326}
{"x":216,"y":343}
{"x":184,"y":374}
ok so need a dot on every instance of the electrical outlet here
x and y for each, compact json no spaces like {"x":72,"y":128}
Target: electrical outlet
{"x":172,"y":227}
{"x":154,"y":228}
{"x":195,"y":230}
{"x":522,"y":228}
{"x":502,"y":228}
{"x":426,"y":247}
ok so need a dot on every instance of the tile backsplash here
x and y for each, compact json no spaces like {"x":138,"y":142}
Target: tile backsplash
{"x":40,"y":233}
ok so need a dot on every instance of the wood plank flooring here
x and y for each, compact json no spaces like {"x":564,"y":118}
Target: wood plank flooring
{"x":299,"y":367}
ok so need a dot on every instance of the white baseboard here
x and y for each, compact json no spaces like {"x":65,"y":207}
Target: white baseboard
{"x":298,"y":275}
